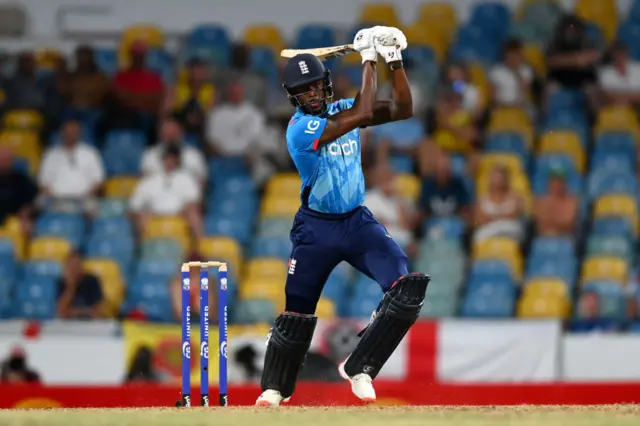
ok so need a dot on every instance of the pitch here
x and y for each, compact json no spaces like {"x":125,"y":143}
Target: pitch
{"x":610,"y":415}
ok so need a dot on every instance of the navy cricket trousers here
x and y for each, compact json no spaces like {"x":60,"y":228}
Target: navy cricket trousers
{"x":322,"y":241}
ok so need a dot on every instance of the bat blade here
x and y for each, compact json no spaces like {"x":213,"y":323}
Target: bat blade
{"x":323,"y":53}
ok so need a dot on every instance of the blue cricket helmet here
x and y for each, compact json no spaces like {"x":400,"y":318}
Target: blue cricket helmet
{"x":300,"y":72}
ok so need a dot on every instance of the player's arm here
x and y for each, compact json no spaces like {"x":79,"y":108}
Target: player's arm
{"x":362,"y":111}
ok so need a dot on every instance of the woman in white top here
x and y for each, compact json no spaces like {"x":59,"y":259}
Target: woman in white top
{"x":499,"y":212}
{"x":511,"y":79}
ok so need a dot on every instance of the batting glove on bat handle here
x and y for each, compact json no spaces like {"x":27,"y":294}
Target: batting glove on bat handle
{"x":389,"y":53}
{"x":363,"y":40}
{"x":369,"y":54}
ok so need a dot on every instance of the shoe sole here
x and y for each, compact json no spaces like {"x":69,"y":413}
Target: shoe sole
{"x":344,"y":375}
{"x":265,"y":403}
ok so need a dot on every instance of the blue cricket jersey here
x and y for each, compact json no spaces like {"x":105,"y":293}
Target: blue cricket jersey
{"x":331,"y":173}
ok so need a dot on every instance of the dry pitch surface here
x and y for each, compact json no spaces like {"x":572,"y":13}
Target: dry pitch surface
{"x":610,"y":415}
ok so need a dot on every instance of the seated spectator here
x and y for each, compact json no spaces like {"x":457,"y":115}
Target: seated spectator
{"x":556,"y":213}
{"x":79,"y":293}
{"x":458,"y":80}
{"x":512,"y":79}
{"x":454,"y":129}
{"x":588,"y":318}
{"x":71,"y":171}
{"x":620,"y":79}
{"x":138,"y":95}
{"x":24,"y":90}
{"x":15,"y":368}
{"x":192,"y":100}
{"x":443,"y":193}
{"x":171,"y":192}
{"x":500,"y":211}
{"x":571,"y":57}
{"x":193,"y":160}
{"x":399,"y":138}
{"x":392,"y":211}
{"x":236,"y":128}
{"x":255,"y":85}
{"x":17,"y":192}
{"x":88,"y":86}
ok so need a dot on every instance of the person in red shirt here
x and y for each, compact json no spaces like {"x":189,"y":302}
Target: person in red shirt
{"x":137,"y":96}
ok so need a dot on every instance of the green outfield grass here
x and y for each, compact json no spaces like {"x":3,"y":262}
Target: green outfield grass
{"x":330,"y":416}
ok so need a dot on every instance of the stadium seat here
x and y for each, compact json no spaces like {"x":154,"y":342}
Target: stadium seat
{"x":111,"y":281}
{"x":174,"y":227}
{"x":612,"y":298}
{"x":112,"y":226}
{"x":119,"y":248}
{"x":440,"y":15}
{"x":553,"y":247}
{"x":211,"y":43}
{"x":266,"y":267}
{"x":284,"y":185}
{"x":534,"y":56}
{"x":264,"y":36}
{"x":613,"y":246}
{"x":277,"y":247}
{"x":380,"y":13}
{"x":314,"y":35}
{"x":492,"y":17}
{"x":430,"y":39}
{"x":511,"y":120}
{"x":603,"y":13}
{"x":624,"y":206}
{"x":489,"y":299}
{"x":24,"y":145}
{"x":120,"y":187}
{"x":221,"y":248}
{"x":552,"y":267}
{"x":500,"y":248}
{"x":508,"y":143}
{"x":617,"y":119}
{"x":261,"y":288}
{"x":162,"y":249}
{"x":274,"y":227}
{"x":150,"y":35}
{"x":280,"y":207}
{"x":606,"y":182}
{"x":543,"y":307}
{"x":49,"y":248}
{"x":252,"y":311}
{"x":107,"y":60}
{"x":12,"y":231}
{"x":564,"y":143}
{"x":112,"y":207}
{"x":36,"y":299}
{"x":605,"y":268}
{"x":70,"y":227}
{"x":264,"y":63}
{"x":489,"y":161}
{"x":326,"y":309}
{"x":41,"y":268}
{"x":490,"y":270}
{"x":25,"y":120}
{"x":613,"y":226}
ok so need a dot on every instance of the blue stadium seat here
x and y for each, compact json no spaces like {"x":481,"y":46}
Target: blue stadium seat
{"x":68,"y":226}
{"x":492,"y":17}
{"x":401,"y":163}
{"x":603,"y":182}
{"x":36,"y":298}
{"x":210,"y":43}
{"x":222,"y":168}
{"x":254,"y":311}
{"x":612,"y":162}
{"x":445,"y":227}
{"x":264,"y":63}
{"x":161,"y":62}
{"x":41,"y":268}
{"x":311,"y":36}
{"x":237,"y":229}
{"x":612,"y":227}
{"x":612,"y":298}
{"x":162,"y":249}
{"x":552,"y":247}
{"x":568,"y":120}
{"x":271,"y":247}
{"x":117,"y":247}
{"x":112,"y":207}
{"x":124,"y":140}
{"x":235,"y":186}
{"x":115,"y":225}
{"x":149,"y":269}
{"x":508,"y":142}
{"x":564,"y":268}
{"x":616,"y":142}
{"x":567,"y":100}
{"x":152,"y":295}
{"x":490,"y":269}
{"x":489,"y":299}
{"x":107,"y":60}
{"x":274,"y":227}
{"x":243,"y":206}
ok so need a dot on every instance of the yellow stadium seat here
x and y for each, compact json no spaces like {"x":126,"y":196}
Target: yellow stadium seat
{"x":408,"y":186}
{"x":544,"y":307}
{"x":420,"y":34}
{"x":265,"y":36}
{"x":603,"y":13}
{"x":544,"y":287}
{"x":120,"y":187}
{"x":511,"y":120}
{"x":47,"y":58}
{"x":12,"y":230}
{"x":380,"y":13}
{"x":500,"y":248}
{"x":23,"y":144}
{"x":264,"y":288}
{"x":206,"y":95}
{"x":151,"y":35}
{"x":440,"y":15}
{"x":564,"y":142}
{"x":222,"y":248}
{"x":534,"y":56}
{"x":284,"y":185}
{"x":22,"y":120}
{"x":618,"y":119}
{"x":325,"y":309}
{"x":111,"y":282}
{"x":617,"y":205}
{"x":605,"y":268}
{"x":266,"y":268}
{"x":512,"y":162}
{"x":280,"y":207}
{"x":166,"y":227}
{"x":49,"y":248}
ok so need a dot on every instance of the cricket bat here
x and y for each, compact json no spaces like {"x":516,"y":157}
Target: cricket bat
{"x":323,"y":53}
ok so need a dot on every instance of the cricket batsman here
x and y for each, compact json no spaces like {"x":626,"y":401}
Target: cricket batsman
{"x":332,"y":226}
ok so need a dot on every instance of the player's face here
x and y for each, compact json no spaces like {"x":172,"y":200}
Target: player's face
{"x":314,"y":98}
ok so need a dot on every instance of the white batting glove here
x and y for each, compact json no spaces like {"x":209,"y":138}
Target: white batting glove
{"x":390,"y":36}
{"x":363,"y":42}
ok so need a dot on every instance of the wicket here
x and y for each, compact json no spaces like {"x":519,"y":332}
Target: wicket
{"x":204,"y":333}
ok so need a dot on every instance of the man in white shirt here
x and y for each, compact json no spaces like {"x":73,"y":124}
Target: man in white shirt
{"x":512,"y":78}
{"x":192,"y":160}
{"x":620,"y":80}
{"x":73,"y":170}
{"x":171,"y":192}
{"x":393,"y":211}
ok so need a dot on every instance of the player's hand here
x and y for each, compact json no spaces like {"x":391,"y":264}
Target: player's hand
{"x":390,"y":36}
{"x":363,"y":42}
{"x":389,"y":44}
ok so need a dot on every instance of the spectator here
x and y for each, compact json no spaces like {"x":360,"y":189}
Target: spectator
{"x":79,"y":293}
{"x":571,"y":56}
{"x":588,"y":319}
{"x":399,"y":138}
{"x":392,"y":211}
{"x":556,"y":213}
{"x":620,"y":79}
{"x":255,"y":85}
{"x":500,"y":211}
{"x":88,"y":86}
{"x":138,"y":95}
{"x":444,"y":194}
{"x":193,"y":161}
{"x":73,"y":170}
{"x":17,"y":192}
{"x":454,"y":129}
{"x":16,"y":370}
{"x":171,"y":192}
{"x":142,"y":370}
{"x":191,"y":101}
{"x":458,"y":80}
{"x":512,"y":79}
{"x":23,"y":90}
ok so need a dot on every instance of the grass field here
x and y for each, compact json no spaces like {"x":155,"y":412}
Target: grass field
{"x":321,"y":416}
